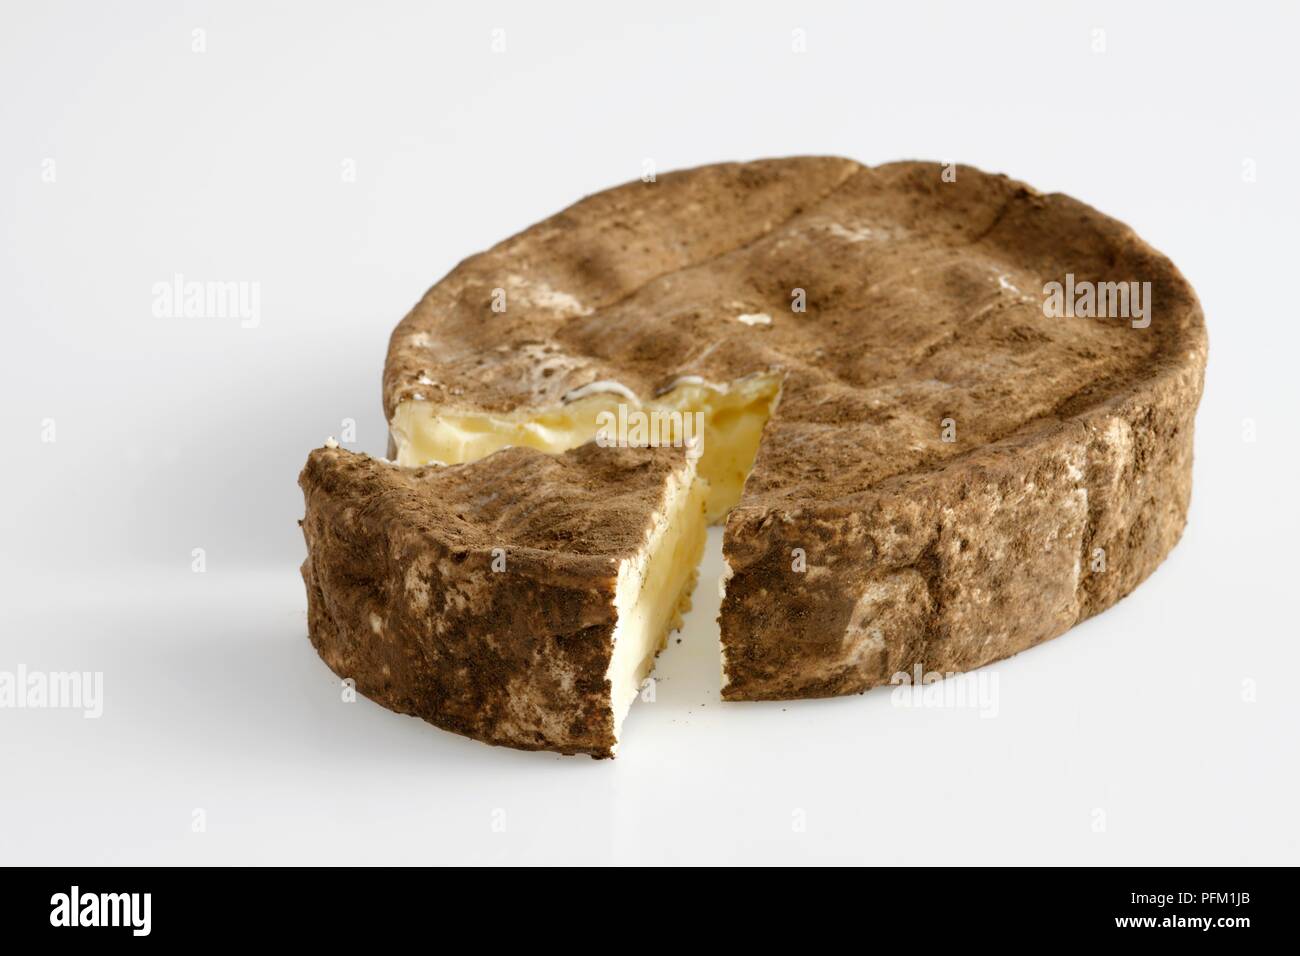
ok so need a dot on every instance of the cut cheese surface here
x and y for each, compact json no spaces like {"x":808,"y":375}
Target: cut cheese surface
{"x":654,"y":589}
{"x":733,"y":418}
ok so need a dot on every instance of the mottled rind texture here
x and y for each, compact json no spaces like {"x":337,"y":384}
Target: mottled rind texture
{"x":1067,"y":484}
{"x":956,"y":568}
{"x":403,"y":598}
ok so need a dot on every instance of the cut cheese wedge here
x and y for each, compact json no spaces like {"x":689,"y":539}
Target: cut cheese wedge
{"x":520,"y":600}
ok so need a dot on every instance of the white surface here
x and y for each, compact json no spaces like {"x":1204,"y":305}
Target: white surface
{"x":175,"y":434}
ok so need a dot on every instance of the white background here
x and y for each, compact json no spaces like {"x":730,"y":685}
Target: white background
{"x":176,"y":434}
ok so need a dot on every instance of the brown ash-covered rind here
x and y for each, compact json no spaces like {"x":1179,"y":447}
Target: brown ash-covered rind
{"x":403,"y":598}
{"x":951,"y":570}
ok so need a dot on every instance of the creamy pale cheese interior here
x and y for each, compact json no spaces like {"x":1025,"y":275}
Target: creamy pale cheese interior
{"x":733,"y":416}
{"x":652,"y":587}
